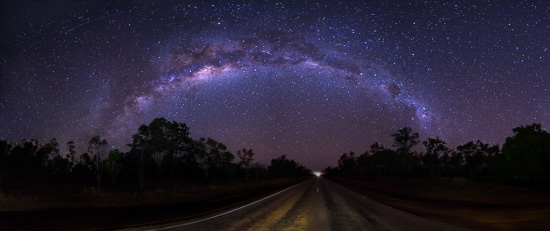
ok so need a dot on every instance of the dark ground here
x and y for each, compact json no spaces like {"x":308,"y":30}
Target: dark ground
{"x":317,"y":204}
{"x":108,"y":218}
{"x":479,"y":205}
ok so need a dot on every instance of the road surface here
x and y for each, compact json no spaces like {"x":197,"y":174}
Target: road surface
{"x":316,"y":204}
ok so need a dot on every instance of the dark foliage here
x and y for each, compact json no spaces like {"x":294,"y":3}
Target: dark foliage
{"x":283,"y":167}
{"x":526,"y":155}
{"x":161,"y":153}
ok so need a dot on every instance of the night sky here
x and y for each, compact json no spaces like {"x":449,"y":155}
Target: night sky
{"x":309,"y":79}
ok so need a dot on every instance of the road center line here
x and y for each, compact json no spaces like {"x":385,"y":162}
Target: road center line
{"x":228,"y":212}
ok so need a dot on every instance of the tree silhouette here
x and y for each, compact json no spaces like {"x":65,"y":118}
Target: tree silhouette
{"x":219,"y":158}
{"x":28,"y":164}
{"x":72,"y":152}
{"x":180,"y":145}
{"x":59,"y":167}
{"x":159,"y":141}
{"x":23,"y":164}
{"x":202,"y":156}
{"x":493,"y":159}
{"x":164,"y":141}
{"x":283,"y":167}
{"x":386,"y":162}
{"x":436,"y":155}
{"x":82,"y":170}
{"x":113,"y":164}
{"x":476,"y":156}
{"x":139,"y":147}
{"x":455,"y":165}
{"x":225,"y":167}
{"x":527,"y":153}
{"x":404,"y":140}
{"x":246,"y":158}
{"x":212,"y":156}
{"x":259,"y":169}
{"x":4,"y":152}
{"x":98,"y":149}
{"x":376,"y":147}
{"x":347,"y":163}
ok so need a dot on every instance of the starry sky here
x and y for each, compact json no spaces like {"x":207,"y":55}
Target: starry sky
{"x":310,"y":79}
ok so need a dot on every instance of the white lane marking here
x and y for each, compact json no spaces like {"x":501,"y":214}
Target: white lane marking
{"x":228,"y":212}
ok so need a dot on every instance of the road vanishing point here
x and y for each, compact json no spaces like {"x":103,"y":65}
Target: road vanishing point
{"x":315,"y":204}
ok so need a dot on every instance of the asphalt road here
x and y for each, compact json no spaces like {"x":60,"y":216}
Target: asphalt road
{"x":316,"y":204}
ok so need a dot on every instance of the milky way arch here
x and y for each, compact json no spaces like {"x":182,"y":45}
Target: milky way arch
{"x":192,"y":64}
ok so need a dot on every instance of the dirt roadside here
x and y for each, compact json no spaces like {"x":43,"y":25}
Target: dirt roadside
{"x":108,"y":218}
{"x":475,"y":205}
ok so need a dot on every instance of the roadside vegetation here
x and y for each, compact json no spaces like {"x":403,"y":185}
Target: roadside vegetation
{"x":524,"y":157}
{"x":163,"y":164}
{"x":474,"y":185}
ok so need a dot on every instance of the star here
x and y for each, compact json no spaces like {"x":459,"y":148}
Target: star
{"x":311,"y":80}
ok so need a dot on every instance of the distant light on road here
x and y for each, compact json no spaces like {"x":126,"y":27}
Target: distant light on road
{"x":318,"y":174}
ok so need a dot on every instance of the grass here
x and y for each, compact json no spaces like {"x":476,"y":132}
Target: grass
{"x":90,"y":209}
{"x":480,"y":205}
{"x":90,"y":197}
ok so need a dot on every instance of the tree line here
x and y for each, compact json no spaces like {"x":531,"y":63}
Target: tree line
{"x":160,"y":152}
{"x":525,"y":155}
